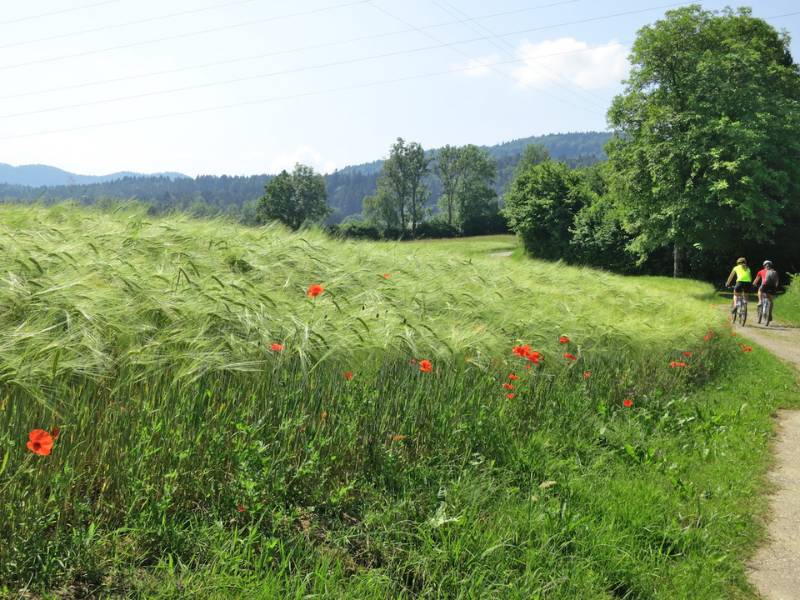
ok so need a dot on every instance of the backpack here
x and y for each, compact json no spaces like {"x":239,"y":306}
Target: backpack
{"x":771,"y":279}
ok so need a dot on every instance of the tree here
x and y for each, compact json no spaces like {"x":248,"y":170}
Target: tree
{"x":541,"y":206}
{"x":532,"y":156}
{"x":402,"y":180}
{"x":294,"y":199}
{"x":477,"y":200}
{"x":449,"y":169}
{"x":707,"y":146}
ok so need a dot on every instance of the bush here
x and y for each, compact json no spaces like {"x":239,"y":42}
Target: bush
{"x":436,"y":229}
{"x":356,"y":230}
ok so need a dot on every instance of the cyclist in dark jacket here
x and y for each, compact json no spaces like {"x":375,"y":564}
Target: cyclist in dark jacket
{"x":766,"y":282}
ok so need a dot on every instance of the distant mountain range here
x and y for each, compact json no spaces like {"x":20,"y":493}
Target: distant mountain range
{"x":236,"y":195}
{"x":43,"y":175}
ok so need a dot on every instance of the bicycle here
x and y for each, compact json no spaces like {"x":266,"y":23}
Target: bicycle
{"x":740,"y":309}
{"x":765,"y":310}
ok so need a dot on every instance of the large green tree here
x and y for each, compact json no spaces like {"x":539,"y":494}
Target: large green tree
{"x":707,"y":145}
{"x":294,"y":199}
{"x":467,"y":175}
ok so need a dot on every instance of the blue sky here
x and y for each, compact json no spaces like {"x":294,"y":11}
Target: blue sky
{"x":325,"y":82}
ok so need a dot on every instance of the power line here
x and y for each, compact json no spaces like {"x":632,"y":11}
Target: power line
{"x":62,"y":36}
{"x":467,"y":56}
{"x":270,"y":54}
{"x":183,"y":35}
{"x":269,"y":74}
{"x":58,"y":12}
{"x":253,"y":102}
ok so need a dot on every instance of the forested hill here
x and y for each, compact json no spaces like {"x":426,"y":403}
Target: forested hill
{"x":236,"y":195}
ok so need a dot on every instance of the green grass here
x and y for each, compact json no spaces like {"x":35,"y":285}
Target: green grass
{"x":787,"y":306}
{"x":194,"y":461}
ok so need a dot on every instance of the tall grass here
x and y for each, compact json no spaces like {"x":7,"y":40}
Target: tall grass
{"x":192,"y":457}
{"x":787,"y":306}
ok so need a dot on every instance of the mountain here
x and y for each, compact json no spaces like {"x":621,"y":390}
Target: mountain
{"x":45,"y":176}
{"x":236,"y":195}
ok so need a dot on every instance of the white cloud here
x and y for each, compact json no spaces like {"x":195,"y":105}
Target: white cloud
{"x":303,"y":154}
{"x":478,"y":67}
{"x":594,"y":67}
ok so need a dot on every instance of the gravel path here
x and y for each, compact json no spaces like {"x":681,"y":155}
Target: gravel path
{"x":775,"y":570}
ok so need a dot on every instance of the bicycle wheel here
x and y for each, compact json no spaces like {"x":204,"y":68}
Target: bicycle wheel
{"x":768,"y":311}
{"x":743,"y":313}
{"x":760,"y":312}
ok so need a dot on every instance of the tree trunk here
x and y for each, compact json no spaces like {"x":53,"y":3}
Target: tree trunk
{"x":677,"y":260}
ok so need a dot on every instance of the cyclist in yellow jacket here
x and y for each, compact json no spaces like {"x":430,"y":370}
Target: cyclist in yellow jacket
{"x":741,"y":274}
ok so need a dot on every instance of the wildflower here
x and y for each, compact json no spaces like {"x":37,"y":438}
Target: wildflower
{"x":512,"y":377}
{"x":386,"y":275}
{"x":277,"y":347}
{"x":511,"y":396}
{"x":425,"y":366}
{"x":315,"y":290}
{"x":675,"y":364}
{"x":55,"y":432}
{"x":241,"y":508}
{"x":747,"y":348}
{"x":348,"y":375}
{"x":708,"y":335}
{"x":570,"y":356}
{"x":587,"y":374}
{"x":40,"y":442}
{"x":522,"y":351}
{"x":534,"y":357}
{"x":627,"y":403}
{"x":399,"y":437}
{"x":563,"y":340}
{"x":687,"y":354}
{"x":508,"y":386}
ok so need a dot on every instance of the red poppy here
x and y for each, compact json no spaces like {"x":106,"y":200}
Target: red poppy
{"x":522,"y":351}
{"x":512,"y":377}
{"x":569,"y":356}
{"x":677,"y":364}
{"x":508,"y":386}
{"x":277,"y":347}
{"x":386,"y":275}
{"x":315,"y":290}
{"x":627,"y":403}
{"x":399,"y":437}
{"x":747,"y":349}
{"x":687,"y":354}
{"x":425,"y":366}
{"x":241,"y":508}
{"x":587,"y":374}
{"x":563,"y":340}
{"x":348,"y":375}
{"x":707,"y":337}
{"x":55,"y":432}
{"x":511,"y":396}
{"x":534,"y":357}
{"x":40,"y":442}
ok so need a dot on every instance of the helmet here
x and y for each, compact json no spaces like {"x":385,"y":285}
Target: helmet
{"x":741,"y":261}
{"x":767,"y":263}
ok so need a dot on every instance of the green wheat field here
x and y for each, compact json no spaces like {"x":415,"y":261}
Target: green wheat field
{"x":222,"y":434}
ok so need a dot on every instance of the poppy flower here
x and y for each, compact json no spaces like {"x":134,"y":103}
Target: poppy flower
{"x":425,"y":366}
{"x":522,"y":351}
{"x":534,"y":357}
{"x":687,"y":354}
{"x":277,"y":347}
{"x":707,"y":337}
{"x":675,"y":364}
{"x":241,"y":508}
{"x":40,"y":442}
{"x":511,"y":396}
{"x":508,"y":386}
{"x":587,"y":374}
{"x":627,"y":403}
{"x":399,"y":437}
{"x":386,"y":275}
{"x":569,"y":356}
{"x":747,"y":349}
{"x":512,"y":377}
{"x":563,"y":340}
{"x":55,"y":432}
{"x":315,"y":290}
{"x":348,"y":375}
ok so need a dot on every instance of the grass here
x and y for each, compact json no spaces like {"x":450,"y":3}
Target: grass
{"x":195,"y":461}
{"x":787,"y":306}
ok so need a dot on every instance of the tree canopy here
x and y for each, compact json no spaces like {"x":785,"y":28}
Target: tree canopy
{"x":294,"y":199}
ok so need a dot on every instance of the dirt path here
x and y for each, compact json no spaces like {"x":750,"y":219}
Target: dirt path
{"x":775,"y":570}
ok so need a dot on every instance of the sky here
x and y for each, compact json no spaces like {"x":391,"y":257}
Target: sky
{"x":254,"y":86}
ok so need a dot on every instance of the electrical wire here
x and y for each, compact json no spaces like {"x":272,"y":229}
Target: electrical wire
{"x":58,"y":12}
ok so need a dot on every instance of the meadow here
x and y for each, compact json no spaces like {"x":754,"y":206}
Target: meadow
{"x":787,"y":306}
{"x":256,"y":413}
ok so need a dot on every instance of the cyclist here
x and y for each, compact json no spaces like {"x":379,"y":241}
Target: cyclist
{"x":766,"y":282}
{"x":741,"y":274}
